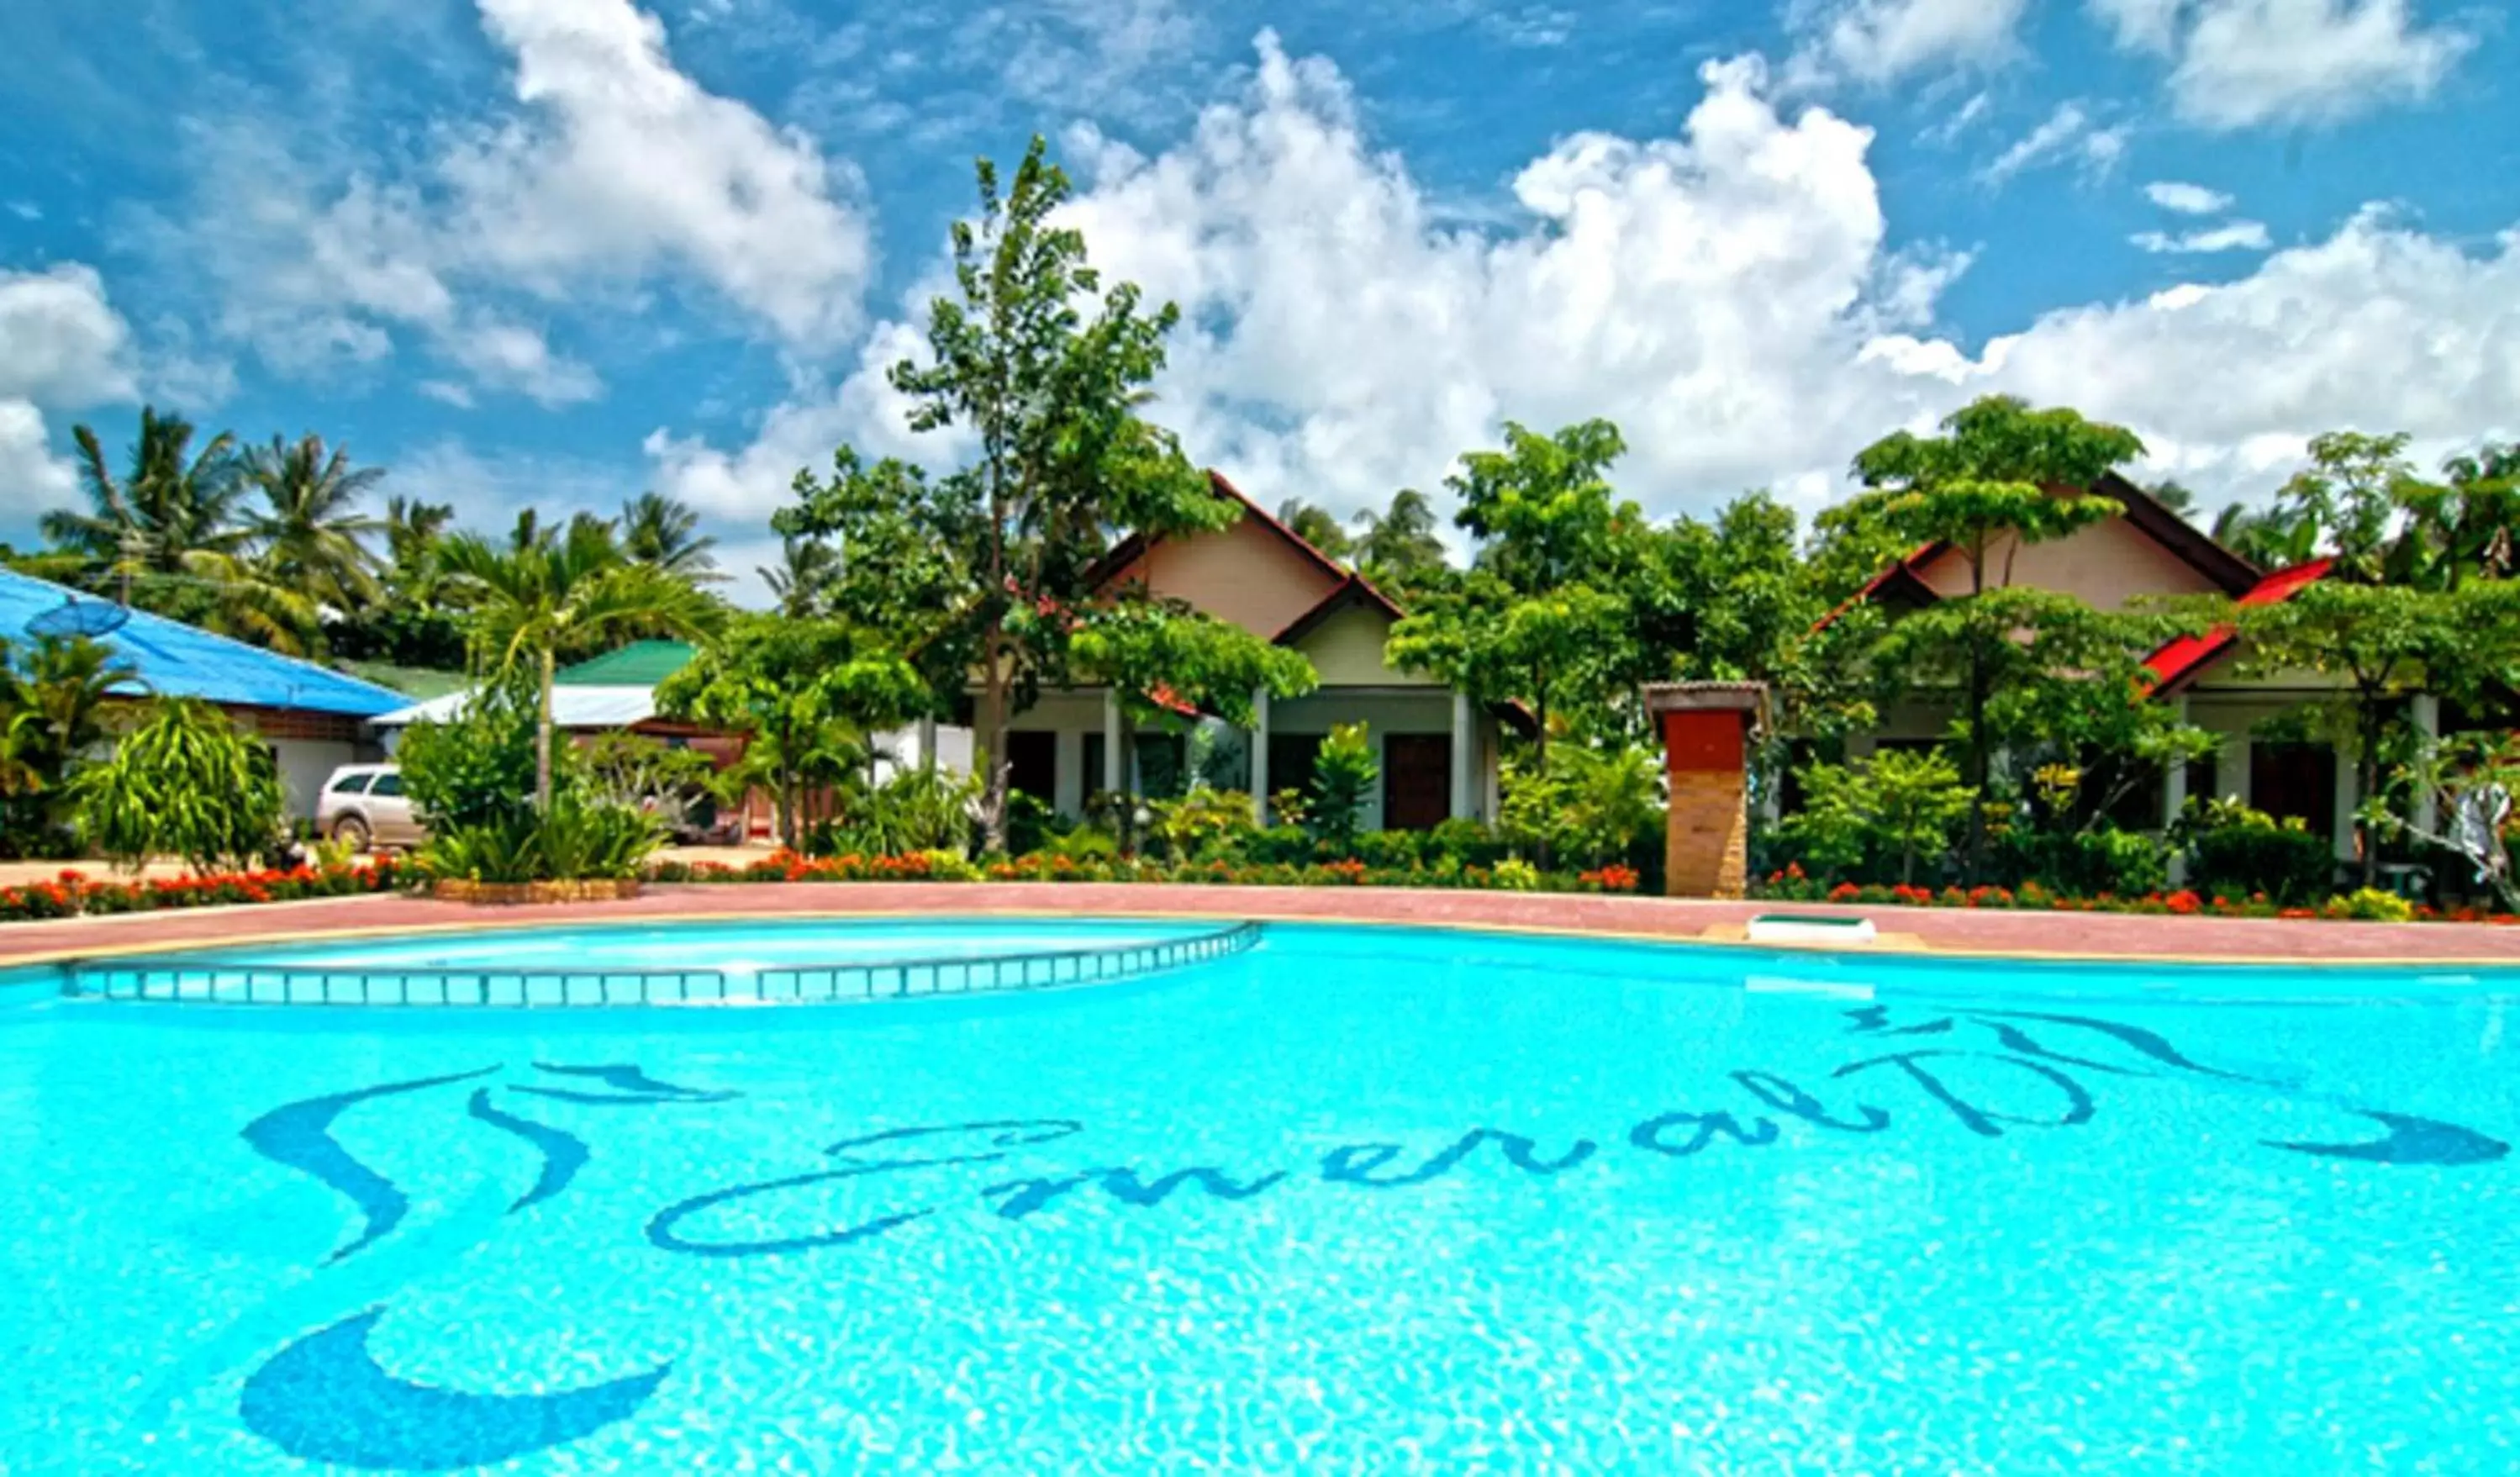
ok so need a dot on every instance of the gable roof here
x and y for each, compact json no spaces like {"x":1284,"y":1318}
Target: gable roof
{"x":2144,"y":513}
{"x":177,"y":660}
{"x":639,"y":664}
{"x":1350,"y":586}
{"x":2182,"y":660}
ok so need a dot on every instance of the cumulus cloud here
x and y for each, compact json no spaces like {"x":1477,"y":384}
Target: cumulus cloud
{"x":2187,"y":200}
{"x":1879,"y":42}
{"x":1727,"y":294}
{"x":2232,"y":236}
{"x":612,"y":171}
{"x":2236,"y":64}
{"x":61,"y":345}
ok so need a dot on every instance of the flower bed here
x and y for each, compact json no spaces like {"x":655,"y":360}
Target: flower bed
{"x":517,"y":894}
{"x":74,"y":894}
{"x":944,"y":866}
{"x":2369,"y":905}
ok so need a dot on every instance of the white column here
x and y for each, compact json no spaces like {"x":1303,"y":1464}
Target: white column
{"x":2348,"y":796}
{"x":927,"y":743}
{"x":1465,"y":749}
{"x":2231,"y":769}
{"x":1260,"y":757}
{"x":1114,"y":760}
{"x":1068,"y":781}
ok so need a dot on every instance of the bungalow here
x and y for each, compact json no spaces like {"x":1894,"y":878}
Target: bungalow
{"x":1437,"y":747}
{"x":2150,"y":551}
{"x":313,"y":718}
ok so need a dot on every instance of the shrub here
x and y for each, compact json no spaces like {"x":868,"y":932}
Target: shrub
{"x":1389,"y":849}
{"x":2371,"y":905}
{"x":2248,"y":855}
{"x":574,"y":842}
{"x":1470,"y":843}
{"x":184,"y":782}
{"x":1203,"y":823}
{"x":917,"y":810}
{"x":1279,"y":846}
{"x":1344,"y":773}
{"x":2093,"y":862}
{"x":477,"y":767}
{"x":1515,"y":875}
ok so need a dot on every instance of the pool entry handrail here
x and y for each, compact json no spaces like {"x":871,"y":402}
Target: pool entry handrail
{"x":213,"y":981}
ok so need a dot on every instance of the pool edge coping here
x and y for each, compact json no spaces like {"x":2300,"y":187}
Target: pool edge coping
{"x":1888,"y":943}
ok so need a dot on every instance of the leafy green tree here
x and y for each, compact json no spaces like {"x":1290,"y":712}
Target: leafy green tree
{"x":1905,"y":803}
{"x":2465,"y":527}
{"x":1543,"y":617}
{"x":1344,"y":773}
{"x":54,"y":700}
{"x":2379,"y":644}
{"x":1398,"y":548}
{"x":664,"y":533}
{"x":799,"y":689}
{"x":307,"y":533}
{"x":565,"y":594}
{"x":183,"y":781}
{"x":2001,"y":477}
{"x":1316,"y":525}
{"x":988,"y":573}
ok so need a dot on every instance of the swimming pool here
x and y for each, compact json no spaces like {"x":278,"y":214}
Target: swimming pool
{"x":1351,"y":1200}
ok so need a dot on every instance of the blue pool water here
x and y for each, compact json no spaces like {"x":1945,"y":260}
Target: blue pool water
{"x":1353,"y":1200}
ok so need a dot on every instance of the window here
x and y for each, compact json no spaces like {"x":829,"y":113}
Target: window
{"x":352,"y":785}
{"x":387,"y":785}
{"x":1290,"y":760}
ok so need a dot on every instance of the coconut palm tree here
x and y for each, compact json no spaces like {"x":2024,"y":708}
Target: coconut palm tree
{"x":804,"y":573}
{"x":54,"y":695}
{"x":664,"y":533}
{"x":308,"y":534}
{"x":551,"y":594}
{"x":171,"y":506}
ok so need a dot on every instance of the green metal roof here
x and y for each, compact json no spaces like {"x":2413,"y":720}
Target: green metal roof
{"x":639,"y":664}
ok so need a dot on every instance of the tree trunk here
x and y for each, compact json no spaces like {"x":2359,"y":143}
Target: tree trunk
{"x":1540,"y":697}
{"x":2367,"y":788}
{"x":543,"y":739}
{"x":993,"y":752}
{"x":1977,"y":765}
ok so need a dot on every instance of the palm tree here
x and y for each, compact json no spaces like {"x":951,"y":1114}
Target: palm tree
{"x":1315,"y":525}
{"x":171,"y":506}
{"x":806,"y":570}
{"x":1400,"y":545}
{"x":664,"y":533}
{"x":309,"y":535}
{"x":549,"y":595}
{"x":53,"y":700}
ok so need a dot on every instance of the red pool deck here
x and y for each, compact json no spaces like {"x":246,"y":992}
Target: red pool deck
{"x":2114,"y":936}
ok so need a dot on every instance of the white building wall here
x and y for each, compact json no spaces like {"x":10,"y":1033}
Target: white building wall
{"x":304,"y":764}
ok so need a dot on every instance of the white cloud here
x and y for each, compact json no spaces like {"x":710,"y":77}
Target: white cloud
{"x":612,"y":171}
{"x":1879,"y":42}
{"x":61,"y":346}
{"x":2067,"y":134}
{"x":2236,"y":64}
{"x":1728,"y":295}
{"x":61,"y":342}
{"x":2187,"y":200}
{"x":2232,"y":236}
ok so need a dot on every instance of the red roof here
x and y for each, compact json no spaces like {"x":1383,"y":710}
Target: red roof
{"x":1904,"y":570}
{"x":2181,"y":659}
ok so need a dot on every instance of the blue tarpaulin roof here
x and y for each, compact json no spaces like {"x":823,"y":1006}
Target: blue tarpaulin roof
{"x":177,"y":660}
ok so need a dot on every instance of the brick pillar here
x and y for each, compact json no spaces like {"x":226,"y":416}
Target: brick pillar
{"x":1707,"y":847}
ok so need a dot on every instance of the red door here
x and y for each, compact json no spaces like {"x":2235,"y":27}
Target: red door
{"x":1416,"y":781}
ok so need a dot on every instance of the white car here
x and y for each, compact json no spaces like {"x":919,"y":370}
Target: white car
{"x":363,"y":805}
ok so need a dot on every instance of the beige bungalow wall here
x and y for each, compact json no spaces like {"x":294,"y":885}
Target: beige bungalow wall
{"x":2108,"y":564}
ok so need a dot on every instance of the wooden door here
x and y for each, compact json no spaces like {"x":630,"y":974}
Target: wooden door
{"x":1416,"y":781}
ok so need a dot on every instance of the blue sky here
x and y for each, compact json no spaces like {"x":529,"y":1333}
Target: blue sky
{"x":557,"y":251}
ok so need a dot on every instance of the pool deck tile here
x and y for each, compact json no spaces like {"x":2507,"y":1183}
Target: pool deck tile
{"x":2118,"y":936}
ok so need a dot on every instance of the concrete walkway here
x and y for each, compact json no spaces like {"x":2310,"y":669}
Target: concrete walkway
{"x":2115,"y":936}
